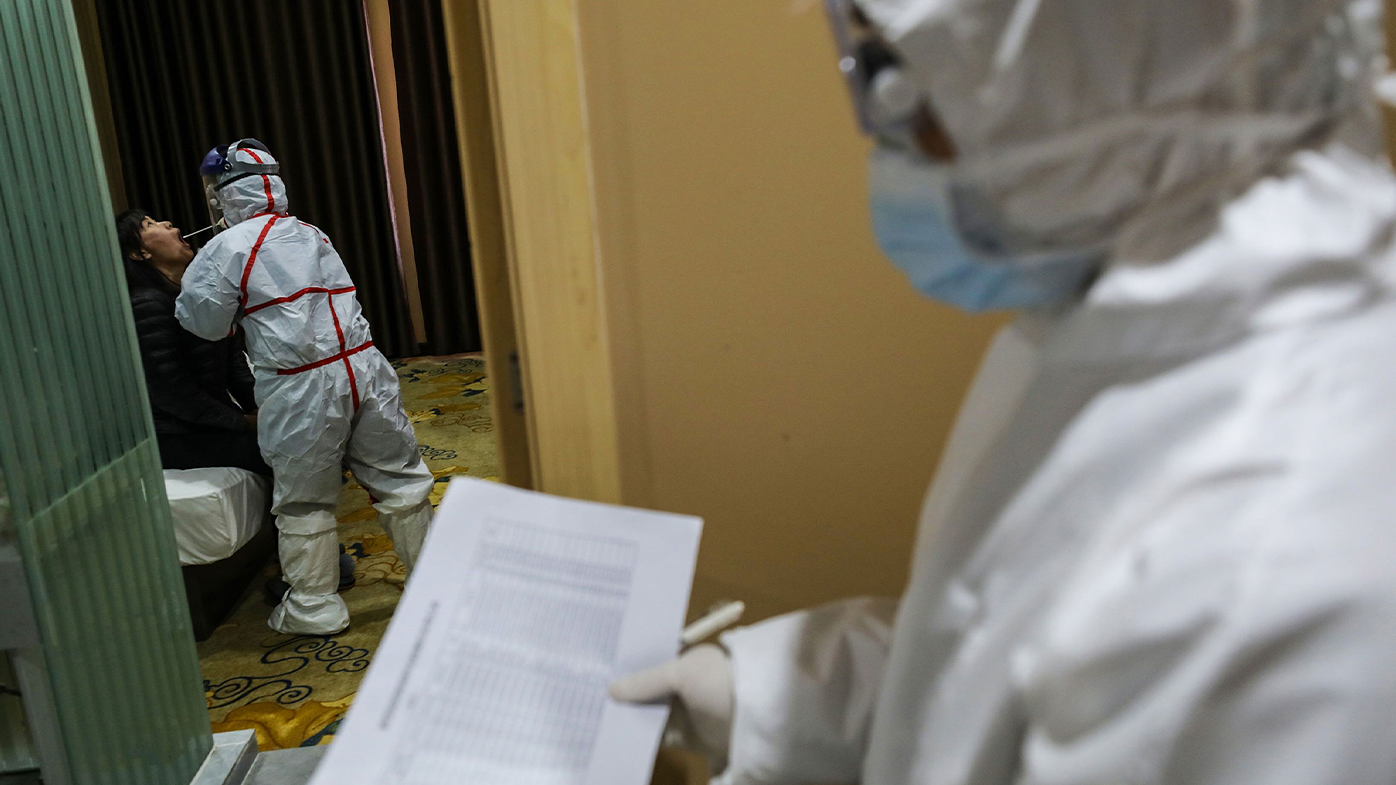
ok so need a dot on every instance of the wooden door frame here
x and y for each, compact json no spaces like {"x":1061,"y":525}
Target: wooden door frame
{"x":526,"y":155}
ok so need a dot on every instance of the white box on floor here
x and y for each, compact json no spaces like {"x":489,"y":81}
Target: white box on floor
{"x":216,"y":511}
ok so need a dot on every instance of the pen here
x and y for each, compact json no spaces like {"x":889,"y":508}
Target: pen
{"x":717,"y":620}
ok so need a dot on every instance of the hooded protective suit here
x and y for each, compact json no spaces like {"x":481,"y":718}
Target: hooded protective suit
{"x":1157,"y":549}
{"x":325,"y":395}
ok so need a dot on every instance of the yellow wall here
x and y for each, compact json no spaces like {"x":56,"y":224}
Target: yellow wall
{"x":773,"y":372}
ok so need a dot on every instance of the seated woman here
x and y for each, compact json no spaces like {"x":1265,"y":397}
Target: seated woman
{"x":200,"y":391}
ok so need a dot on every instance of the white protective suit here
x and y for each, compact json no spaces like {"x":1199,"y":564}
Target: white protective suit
{"x":325,"y":395}
{"x":1158,"y":548}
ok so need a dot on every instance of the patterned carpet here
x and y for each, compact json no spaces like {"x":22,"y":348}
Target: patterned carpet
{"x":293,"y":691}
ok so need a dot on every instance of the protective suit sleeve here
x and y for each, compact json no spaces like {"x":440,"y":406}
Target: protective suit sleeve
{"x":805,"y":686}
{"x":208,"y":297}
{"x":171,"y":387}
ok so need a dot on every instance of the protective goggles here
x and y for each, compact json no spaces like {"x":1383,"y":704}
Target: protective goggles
{"x":862,"y":56}
{"x":887,"y":104}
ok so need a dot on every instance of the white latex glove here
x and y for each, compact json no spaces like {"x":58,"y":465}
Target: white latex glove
{"x":701,"y":678}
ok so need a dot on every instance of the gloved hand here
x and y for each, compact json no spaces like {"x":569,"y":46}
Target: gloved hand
{"x":702,"y":681}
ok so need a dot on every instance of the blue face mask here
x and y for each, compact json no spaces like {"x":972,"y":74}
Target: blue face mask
{"x":916,"y":224}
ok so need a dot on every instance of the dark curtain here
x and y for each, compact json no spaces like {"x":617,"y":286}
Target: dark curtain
{"x":186,"y":76}
{"x":435,"y":190}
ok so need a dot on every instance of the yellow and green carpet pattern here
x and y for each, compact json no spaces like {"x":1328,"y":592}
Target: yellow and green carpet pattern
{"x":293,"y":691}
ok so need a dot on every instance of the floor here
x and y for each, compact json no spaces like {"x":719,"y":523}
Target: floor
{"x":293,"y":691}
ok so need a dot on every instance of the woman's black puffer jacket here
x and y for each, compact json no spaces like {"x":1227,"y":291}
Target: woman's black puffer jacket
{"x":189,"y":379}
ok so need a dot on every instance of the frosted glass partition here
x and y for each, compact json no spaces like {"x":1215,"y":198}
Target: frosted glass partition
{"x":87,"y":503}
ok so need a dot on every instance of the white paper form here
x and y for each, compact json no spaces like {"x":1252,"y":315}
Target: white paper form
{"x":521,"y":610}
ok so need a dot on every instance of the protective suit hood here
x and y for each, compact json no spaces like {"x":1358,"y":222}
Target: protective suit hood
{"x":254,"y":194}
{"x":1102,"y":122}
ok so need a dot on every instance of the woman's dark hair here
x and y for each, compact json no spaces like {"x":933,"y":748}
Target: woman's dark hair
{"x":140,"y":273}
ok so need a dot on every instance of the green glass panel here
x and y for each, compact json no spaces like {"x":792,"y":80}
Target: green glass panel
{"x":77,"y":450}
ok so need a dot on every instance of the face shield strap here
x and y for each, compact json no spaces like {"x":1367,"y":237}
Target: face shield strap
{"x":243,"y":168}
{"x":233,"y":170}
{"x":237,"y":167}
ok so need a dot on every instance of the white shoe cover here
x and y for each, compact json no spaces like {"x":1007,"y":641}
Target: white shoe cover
{"x":408,"y":531}
{"x":310,"y":564}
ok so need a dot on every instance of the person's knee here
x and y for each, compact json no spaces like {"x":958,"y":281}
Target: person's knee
{"x":398,"y":491}
{"x":405,"y":499}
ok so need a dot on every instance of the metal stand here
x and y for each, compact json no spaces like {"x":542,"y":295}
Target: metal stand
{"x":234,"y":760}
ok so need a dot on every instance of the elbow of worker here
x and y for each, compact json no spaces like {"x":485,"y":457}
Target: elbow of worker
{"x":189,"y":312}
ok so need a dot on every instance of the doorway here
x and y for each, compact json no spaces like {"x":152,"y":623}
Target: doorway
{"x":356,"y":101}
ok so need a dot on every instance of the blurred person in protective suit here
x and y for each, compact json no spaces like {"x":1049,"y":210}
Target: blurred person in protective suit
{"x":1158,"y":545}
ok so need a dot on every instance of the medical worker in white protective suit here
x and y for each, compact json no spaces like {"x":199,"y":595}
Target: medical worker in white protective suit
{"x":325,"y":395}
{"x":1160,"y":546}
